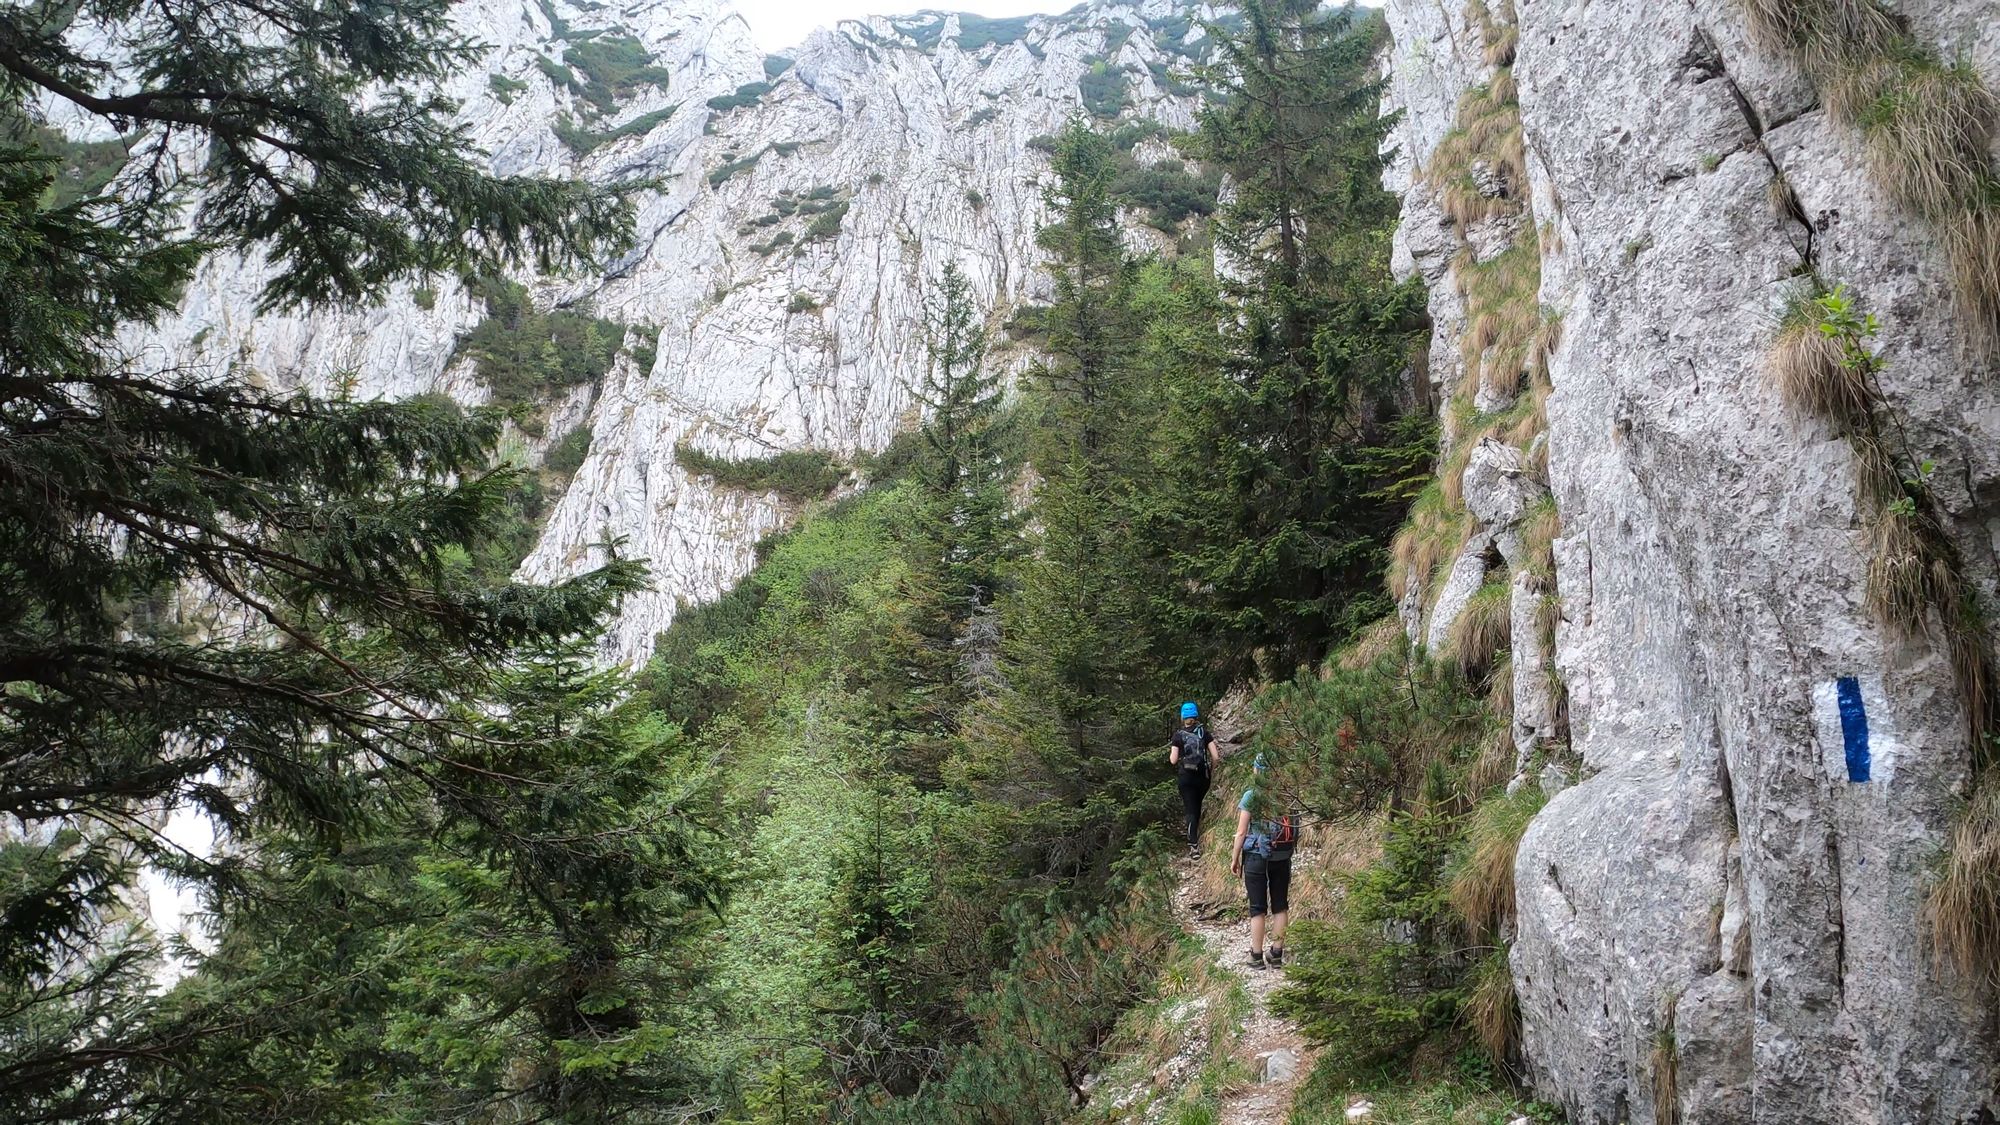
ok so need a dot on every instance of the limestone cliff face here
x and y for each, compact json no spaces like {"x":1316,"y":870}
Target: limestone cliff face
{"x":1712,"y":882}
{"x":922,"y":144}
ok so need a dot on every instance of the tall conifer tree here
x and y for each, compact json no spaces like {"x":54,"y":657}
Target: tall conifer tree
{"x":1271,"y":514}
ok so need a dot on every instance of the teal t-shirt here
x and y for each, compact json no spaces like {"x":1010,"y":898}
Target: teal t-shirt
{"x":1262,"y":832}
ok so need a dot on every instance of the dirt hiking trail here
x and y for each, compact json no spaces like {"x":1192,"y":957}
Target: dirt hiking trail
{"x":1270,"y":1047}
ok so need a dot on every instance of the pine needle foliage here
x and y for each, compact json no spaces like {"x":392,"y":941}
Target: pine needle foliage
{"x":797,"y":475}
{"x":264,"y":608}
{"x":342,"y":196}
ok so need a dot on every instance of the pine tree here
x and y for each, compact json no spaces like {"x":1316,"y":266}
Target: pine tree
{"x":962,"y":468}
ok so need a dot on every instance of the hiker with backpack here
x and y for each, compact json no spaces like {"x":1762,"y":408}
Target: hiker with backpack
{"x":1265,"y":837}
{"x":1193,"y":753}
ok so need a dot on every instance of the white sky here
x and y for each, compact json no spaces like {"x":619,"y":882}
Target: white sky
{"x":778,"y":24}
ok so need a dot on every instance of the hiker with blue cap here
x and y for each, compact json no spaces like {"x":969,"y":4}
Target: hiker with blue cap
{"x":1193,"y":753}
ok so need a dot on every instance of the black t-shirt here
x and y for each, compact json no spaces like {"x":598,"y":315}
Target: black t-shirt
{"x":1193,"y":745}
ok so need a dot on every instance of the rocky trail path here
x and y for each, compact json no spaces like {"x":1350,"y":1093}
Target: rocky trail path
{"x":1276,"y":1054}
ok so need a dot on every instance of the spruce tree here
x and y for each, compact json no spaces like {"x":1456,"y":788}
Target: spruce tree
{"x":959,"y":534}
{"x":1271,"y":509}
{"x":1066,"y":742}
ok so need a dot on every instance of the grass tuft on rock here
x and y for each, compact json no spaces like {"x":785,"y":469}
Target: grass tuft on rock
{"x":1482,"y":884}
{"x":1665,"y":1063}
{"x":1492,"y":1011}
{"x":1809,"y":370}
{"x":1480,"y":631}
{"x":1927,"y":127}
{"x":1963,"y":905}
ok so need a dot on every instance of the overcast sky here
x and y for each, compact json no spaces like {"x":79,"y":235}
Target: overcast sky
{"x":778,"y":24}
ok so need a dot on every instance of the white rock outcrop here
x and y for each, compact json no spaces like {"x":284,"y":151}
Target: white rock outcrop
{"x":1716,"y":879}
{"x":928,"y":146}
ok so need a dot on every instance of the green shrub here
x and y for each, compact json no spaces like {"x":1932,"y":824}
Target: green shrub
{"x":83,"y":168}
{"x":1166,"y":78}
{"x":745,"y":95}
{"x":975,"y":32}
{"x":646,"y":348}
{"x":975,"y":199}
{"x":1106,"y":92}
{"x":504,"y":88}
{"x":567,"y":452}
{"x":425,"y":298}
{"x":684,"y":681}
{"x":556,"y":72}
{"x":1390,"y":972}
{"x":1169,"y":192}
{"x":523,"y":354}
{"x":778,"y":242}
{"x":802,"y":302}
{"x":583,"y":141}
{"x":723,"y":174}
{"x":1048,"y":1016}
{"x":616,"y":65}
{"x":982,"y":117}
{"x":1127,"y":135}
{"x":774,"y":65}
{"x":1356,"y":739}
{"x":826,"y":225}
{"x":795,"y":474}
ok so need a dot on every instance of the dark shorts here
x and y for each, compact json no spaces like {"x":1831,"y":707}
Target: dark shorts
{"x":1269,"y":882}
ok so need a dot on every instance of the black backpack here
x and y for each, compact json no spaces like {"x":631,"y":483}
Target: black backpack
{"x":1194,"y":747}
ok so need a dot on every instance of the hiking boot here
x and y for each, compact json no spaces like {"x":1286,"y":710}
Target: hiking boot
{"x":1275,"y":957}
{"x":1257,"y":959}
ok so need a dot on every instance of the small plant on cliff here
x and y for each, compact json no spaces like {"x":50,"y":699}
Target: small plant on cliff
{"x":1810,"y":365}
{"x":1824,"y":363}
{"x":1492,"y":1010}
{"x":1964,"y":904}
{"x":796,"y":474}
{"x":1480,"y":631}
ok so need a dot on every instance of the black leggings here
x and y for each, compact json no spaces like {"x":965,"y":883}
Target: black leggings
{"x":1194,"y":787}
{"x":1269,"y":882}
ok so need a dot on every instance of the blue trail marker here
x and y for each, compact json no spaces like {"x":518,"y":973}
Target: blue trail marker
{"x":1853,"y":726}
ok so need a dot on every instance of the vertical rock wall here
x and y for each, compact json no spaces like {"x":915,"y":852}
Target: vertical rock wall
{"x":1717,"y":887}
